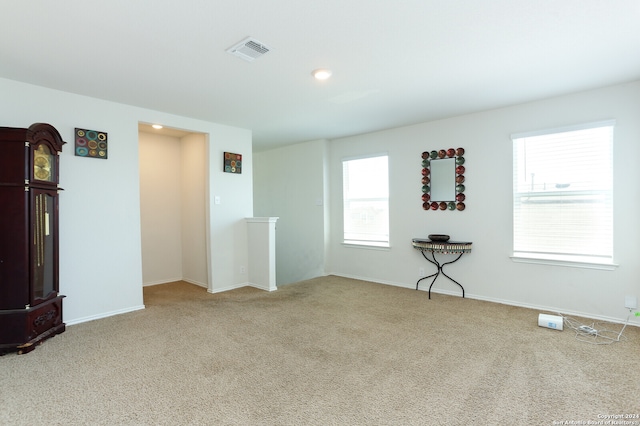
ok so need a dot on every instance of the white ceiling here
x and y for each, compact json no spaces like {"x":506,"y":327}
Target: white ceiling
{"x":394,"y":62}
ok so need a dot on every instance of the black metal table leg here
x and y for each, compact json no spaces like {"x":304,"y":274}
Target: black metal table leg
{"x":435,"y":262}
{"x":447,"y":263}
{"x":440,"y":270}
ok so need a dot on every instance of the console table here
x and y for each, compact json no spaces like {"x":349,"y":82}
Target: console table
{"x":441,"y":247}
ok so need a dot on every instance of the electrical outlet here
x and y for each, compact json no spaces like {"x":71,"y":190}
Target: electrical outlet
{"x":243,"y":270}
{"x":631,"y":302}
{"x":421,"y":272}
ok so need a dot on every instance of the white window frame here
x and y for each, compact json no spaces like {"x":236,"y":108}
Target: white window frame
{"x":524,"y":251}
{"x":350,"y":235}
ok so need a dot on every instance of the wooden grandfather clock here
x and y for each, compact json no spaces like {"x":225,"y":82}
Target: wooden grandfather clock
{"x":30,"y":306}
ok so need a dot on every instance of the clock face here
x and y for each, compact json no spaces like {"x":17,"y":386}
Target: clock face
{"x":43,"y":164}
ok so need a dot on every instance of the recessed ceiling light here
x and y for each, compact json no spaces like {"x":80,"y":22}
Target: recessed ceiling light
{"x":321,"y":74}
{"x":156,"y":126}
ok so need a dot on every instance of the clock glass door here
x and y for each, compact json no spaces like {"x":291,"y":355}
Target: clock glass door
{"x":43,"y":164}
{"x":43,"y":265}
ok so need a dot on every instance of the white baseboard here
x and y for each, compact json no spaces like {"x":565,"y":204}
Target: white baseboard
{"x":553,"y":310}
{"x":245,"y":284}
{"x":150,"y":283}
{"x":173,"y":280}
{"x":393,"y":283}
{"x":198,"y":283}
{"x":104,"y":315}
{"x":262,"y":287}
{"x":228,"y":288}
{"x":468,"y":295}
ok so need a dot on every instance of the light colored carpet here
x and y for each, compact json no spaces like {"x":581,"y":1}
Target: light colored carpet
{"x":328,"y":351}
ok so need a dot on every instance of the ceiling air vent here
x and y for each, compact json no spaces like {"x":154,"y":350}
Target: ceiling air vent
{"x":248,"y":49}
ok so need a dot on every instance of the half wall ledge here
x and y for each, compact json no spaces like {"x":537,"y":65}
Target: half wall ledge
{"x":261,"y":232}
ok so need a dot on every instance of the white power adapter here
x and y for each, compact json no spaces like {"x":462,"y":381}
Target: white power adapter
{"x":550,"y":321}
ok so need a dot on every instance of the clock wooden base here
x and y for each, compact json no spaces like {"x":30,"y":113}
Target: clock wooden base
{"x":25,"y":329}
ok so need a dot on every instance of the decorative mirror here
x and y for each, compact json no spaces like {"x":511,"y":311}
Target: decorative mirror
{"x":443,"y":179}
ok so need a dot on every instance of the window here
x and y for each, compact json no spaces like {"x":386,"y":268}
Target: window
{"x":562,"y":195}
{"x":366,"y":201}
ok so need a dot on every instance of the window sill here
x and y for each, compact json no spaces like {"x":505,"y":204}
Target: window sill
{"x":586,"y":264}
{"x":370,"y":246}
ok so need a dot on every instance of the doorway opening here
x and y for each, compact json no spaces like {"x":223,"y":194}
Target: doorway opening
{"x":173,"y":177}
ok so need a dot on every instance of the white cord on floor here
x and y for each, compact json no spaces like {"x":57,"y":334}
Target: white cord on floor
{"x":595,"y":333}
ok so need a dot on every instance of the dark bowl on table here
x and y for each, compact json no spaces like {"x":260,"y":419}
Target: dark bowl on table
{"x":439,"y":237}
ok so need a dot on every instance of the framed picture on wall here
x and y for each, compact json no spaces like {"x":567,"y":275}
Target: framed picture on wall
{"x":232,"y":163}
{"x":91,"y":143}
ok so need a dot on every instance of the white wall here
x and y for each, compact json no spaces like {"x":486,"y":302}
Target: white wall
{"x":194,"y":213}
{"x":228,"y":229}
{"x":488,"y":272}
{"x":100,"y":243}
{"x":161,"y":208}
{"x":288,"y":184}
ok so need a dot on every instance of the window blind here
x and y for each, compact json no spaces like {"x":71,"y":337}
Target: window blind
{"x":366,"y":201}
{"x":563,"y":195}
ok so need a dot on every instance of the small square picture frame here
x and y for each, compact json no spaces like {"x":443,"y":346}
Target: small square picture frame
{"x":91,"y":143}
{"x":232,"y":163}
